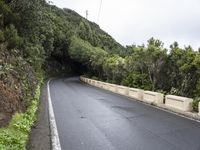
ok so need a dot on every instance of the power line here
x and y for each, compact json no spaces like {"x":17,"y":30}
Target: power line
{"x":99,"y":11}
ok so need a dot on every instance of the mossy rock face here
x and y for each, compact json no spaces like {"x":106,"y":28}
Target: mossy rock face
{"x":3,"y":118}
{"x":18,"y":80}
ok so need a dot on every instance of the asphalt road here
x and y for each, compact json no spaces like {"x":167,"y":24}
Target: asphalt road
{"x":89,"y":118}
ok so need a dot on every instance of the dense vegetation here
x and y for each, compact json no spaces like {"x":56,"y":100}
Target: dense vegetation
{"x":35,"y":39}
{"x":38,"y":40}
{"x":150,"y":67}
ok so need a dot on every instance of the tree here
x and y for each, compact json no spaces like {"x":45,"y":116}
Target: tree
{"x":114,"y":68}
{"x":155,"y":57}
{"x":11,"y":36}
{"x":182,"y":69}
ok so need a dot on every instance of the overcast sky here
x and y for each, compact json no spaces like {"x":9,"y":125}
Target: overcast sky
{"x":136,"y":21}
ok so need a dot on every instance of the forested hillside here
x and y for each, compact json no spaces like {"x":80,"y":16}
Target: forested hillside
{"x":35,"y":42}
{"x":38,"y":41}
{"x":35,"y":39}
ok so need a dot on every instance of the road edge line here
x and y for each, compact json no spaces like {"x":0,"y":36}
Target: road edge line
{"x":55,"y":142}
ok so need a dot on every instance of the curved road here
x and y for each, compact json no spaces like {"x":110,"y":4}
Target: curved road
{"x":89,"y":118}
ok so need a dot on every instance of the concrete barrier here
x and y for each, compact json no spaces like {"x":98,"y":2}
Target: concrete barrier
{"x":82,"y":78}
{"x":153,"y":97}
{"x":135,"y":93}
{"x":123,"y":90}
{"x":105,"y":85}
{"x":99,"y":84}
{"x":199,"y":109}
{"x":88,"y":81}
{"x":93,"y":82}
{"x":178,"y":102}
{"x":112,"y":88}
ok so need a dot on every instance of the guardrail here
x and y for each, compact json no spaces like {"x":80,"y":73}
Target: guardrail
{"x":173,"y":103}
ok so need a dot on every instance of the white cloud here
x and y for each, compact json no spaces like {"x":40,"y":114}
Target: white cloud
{"x":135,"y":21}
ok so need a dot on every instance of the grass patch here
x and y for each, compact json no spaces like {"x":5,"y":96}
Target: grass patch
{"x":15,"y":136}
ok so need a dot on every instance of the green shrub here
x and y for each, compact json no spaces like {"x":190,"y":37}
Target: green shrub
{"x":12,"y":139}
{"x":94,"y":78}
{"x":174,"y":91}
{"x":137,"y":80}
{"x":161,"y":91}
{"x":195,"y":104}
{"x":15,"y":136}
{"x":11,"y":36}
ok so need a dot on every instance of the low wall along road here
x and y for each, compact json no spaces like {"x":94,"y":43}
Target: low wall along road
{"x":181,"y":103}
{"x":136,"y":93}
{"x":153,"y":97}
{"x":176,"y":104}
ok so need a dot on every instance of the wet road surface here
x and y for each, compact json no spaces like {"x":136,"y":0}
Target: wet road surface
{"x":89,"y":118}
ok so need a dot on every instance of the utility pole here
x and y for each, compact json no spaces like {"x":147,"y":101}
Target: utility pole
{"x":50,"y":2}
{"x":86,"y":13}
{"x":99,"y":10}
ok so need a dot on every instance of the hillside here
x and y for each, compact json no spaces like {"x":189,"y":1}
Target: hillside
{"x":38,"y":41}
{"x":35,"y":42}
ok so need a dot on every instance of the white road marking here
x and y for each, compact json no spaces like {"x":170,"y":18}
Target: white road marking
{"x":54,"y":132}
